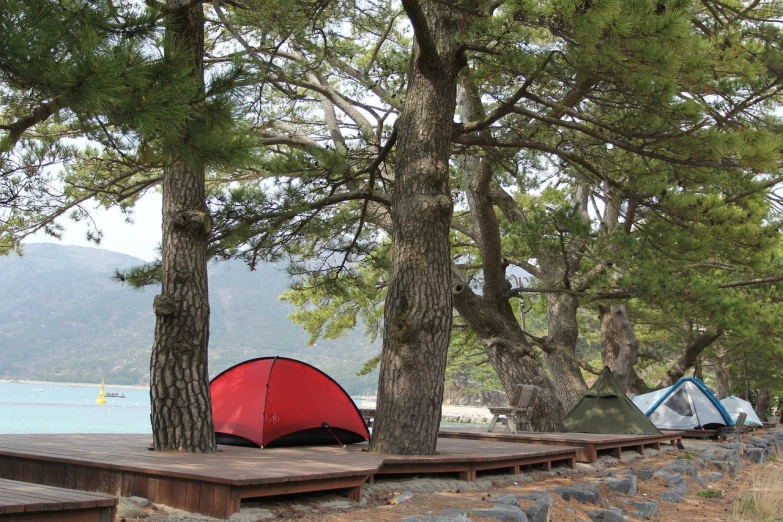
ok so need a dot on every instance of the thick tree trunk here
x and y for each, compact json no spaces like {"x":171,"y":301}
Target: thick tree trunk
{"x":688,"y":357}
{"x":179,"y":381}
{"x":559,"y":348}
{"x":514,"y":361}
{"x":611,"y":343}
{"x":627,"y":356}
{"x":418,"y":310}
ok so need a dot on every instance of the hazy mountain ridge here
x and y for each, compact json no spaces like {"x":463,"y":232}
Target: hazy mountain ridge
{"x":63,"y":318}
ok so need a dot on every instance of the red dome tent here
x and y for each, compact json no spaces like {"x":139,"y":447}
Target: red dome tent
{"x":279,"y":401}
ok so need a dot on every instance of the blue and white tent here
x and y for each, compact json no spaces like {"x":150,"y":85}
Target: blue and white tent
{"x":687,"y":405}
{"x":735,"y":406}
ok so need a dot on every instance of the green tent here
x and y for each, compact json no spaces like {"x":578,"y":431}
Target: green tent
{"x":606,"y":409}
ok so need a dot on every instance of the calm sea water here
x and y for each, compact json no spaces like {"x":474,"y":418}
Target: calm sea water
{"x":59,"y":408}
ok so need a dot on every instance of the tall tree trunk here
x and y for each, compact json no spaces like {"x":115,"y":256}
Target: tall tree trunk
{"x":418,"y":310}
{"x":179,"y":380}
{"x":559,"y":348}
{"x":627,"y":355}
{"x":721,"y":375}
{"x":620,"y":351}
{"x":763,"y":402}
{"x":610,"y":343}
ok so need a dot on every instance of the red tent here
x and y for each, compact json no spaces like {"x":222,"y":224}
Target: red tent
{"x":279,"y":401}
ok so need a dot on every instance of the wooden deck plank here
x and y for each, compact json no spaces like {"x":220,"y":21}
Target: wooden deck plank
{"x":21,"y":497}
{"x":588,"y":443}
{"x":214,"y":484}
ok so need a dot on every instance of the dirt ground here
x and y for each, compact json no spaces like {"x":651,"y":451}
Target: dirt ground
{"x":430,"y":499}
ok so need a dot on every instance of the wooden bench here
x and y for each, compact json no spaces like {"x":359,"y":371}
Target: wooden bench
{"x":519,"y":411}
{"x":21,"y":501}
{"x":368,"y":414}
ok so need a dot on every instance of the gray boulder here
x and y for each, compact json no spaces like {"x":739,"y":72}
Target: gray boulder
{"x":537,"y":495}
{"x":712,"y":476}
{"x":671,"y":497}
{"x":580,"y":494}
{"x":682,"y":466}
{"x":509,"y":500}
{"x":642,"y":474}
{"x":756,"y":455}
{"x":438,"y":518}
{"x":609,"y":515}
{"x":538,"y":511}
{"x":625,"y":485}
{"x":127,"y":509}
{"x":675,"y":481}
{"x":139,"y":501}
{"x":646,"y":509}
{"x":502,"y":512}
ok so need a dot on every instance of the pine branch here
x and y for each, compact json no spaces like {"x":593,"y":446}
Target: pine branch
{"x":752,"y":282}
{"x":421,"y":30}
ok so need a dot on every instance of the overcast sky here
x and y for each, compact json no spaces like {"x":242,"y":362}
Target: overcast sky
{"x":139,"y":239}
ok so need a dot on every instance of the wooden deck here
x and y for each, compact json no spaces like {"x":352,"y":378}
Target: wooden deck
{"x":21,"y":501}
{"x":699,"y":434}
{"x":589,"y":444}
{"x":215,"y":484}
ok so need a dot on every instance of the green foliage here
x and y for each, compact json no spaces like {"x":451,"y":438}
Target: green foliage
{"x":709,"y":493}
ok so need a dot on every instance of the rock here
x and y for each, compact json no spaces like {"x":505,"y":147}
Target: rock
{"x":712,"y":476}
{"x":438,"y":518}
{"x":646,"y":509}
{"x":610,"y":515}
{"x":642,"y":474}
{"x":252,"y":514}
{"x":454,"y":512}
{"x":537,"y":495}
{"x":139,"y":501}
{"x":671,"y":497}
{"x":538,"y":511}
{"x":675,"y":481}
{"x":127,"y":509}
{"x":756,"y":455}
{"x":586,"y":496}
{"x":724,"y":466}
{"x":571,"y":510}
{"x":682,"y":466}
{"x":509,"y":500}
{"x":502,"y":512}
{"x":338,"y":504}
{"x":625,"y":485}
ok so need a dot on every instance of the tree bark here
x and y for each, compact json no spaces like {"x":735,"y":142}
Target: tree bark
{"x":763,"y":402}
{"x":514,"y":361}
{"x":559,"y":347}
{"x":627,"y":355}
{"x":179,"y":381}
{"x":418,"y":309}
{"x":721,"y":375}
{"x":688,"y":357}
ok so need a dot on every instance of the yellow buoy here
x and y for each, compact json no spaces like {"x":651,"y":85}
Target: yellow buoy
{"x":101,"y":394}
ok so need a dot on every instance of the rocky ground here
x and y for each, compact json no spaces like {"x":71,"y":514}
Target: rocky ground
{"x":705,"y":481}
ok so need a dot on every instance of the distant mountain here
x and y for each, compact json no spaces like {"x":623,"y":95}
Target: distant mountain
{"x":63,"y":318}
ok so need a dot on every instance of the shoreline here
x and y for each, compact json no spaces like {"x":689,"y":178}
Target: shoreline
{"x":74,"y":384}
{"x":460,"y":414}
